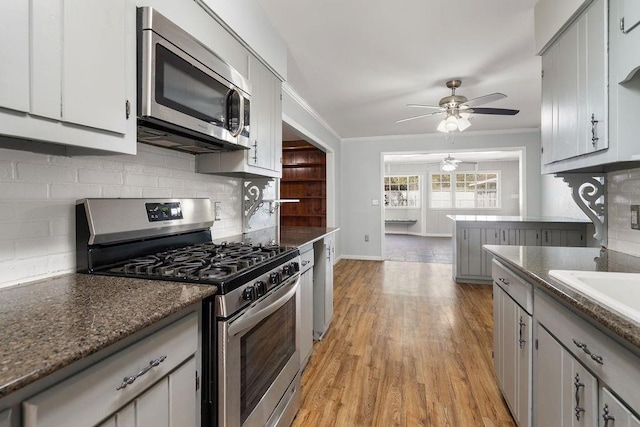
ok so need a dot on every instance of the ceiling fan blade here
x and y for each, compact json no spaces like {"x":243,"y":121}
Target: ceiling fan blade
{"x":418,"y":117}
{"x":481,"y":100}
{"x":424,"y":106}
{"x":495,"y":111}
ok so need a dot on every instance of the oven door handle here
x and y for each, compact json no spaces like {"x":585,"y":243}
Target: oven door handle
{"x":264,"y":308}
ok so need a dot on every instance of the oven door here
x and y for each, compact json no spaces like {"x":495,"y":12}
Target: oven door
{"x":259,"y":361}
{"x":176,"y":88}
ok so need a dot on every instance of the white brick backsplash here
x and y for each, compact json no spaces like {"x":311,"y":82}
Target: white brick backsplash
{"x":13,"y":231}
{"x":22,"y":191}
{"x":93,"y":176}
{"x":6,"y":170}
{"x":40,"y":185}
{"x":623,"y":190}
{"x":140,"y":180}
{"x":156,"y":193}
{"x":170,"y":182}
{"x":112,"y":191}
{"x":74,"y":191}
{"x":42,"y":173}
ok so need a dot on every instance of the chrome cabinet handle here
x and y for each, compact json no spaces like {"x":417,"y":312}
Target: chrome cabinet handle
{"x":595,"y":357}
{"x":305,"y":262}
{"x":503,"y":281}
{"x":605,"y":415}
{"x":594,"y":138}
{"x":522,"y":341}
{"x":129,"y":380}
{"x":578,"y":384}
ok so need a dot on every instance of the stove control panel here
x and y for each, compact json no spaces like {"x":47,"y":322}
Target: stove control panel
{"x":163,"y":211}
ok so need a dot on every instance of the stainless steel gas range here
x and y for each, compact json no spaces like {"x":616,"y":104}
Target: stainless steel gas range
{"x":251,"y":330}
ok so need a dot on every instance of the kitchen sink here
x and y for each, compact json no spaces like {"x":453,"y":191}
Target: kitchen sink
{"x":619,"y":292}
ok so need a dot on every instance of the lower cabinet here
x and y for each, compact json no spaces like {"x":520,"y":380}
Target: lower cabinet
{"x":573,"y":374}
{"x":566,"y":394}
{"x":615,"y":413}
{"x":471,"y":264}
{"x":306,"y":306}
{"x":152,"y":382}
{"x":512,"y":342}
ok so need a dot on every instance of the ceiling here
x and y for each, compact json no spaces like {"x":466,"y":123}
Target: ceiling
{"x":477,"y":156}
{"x":358,"y":63}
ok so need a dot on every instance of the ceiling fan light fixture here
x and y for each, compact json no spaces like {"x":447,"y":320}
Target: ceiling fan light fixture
{"x":451,"y":123}
{"x":442,"y":127}
{"x":463,"y":123}
{"x":449,"y":166}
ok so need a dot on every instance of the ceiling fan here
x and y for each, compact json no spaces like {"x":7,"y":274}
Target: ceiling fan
{"x":457,"y":109}
{"x":450,"y":164}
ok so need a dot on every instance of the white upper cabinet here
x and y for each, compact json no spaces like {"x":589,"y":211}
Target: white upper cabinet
{"x":14,"y":51}
{"x":590,"y":87}
{"x":627,"y":35}
{"x":574,"y":88}
{"x":73,"y":75}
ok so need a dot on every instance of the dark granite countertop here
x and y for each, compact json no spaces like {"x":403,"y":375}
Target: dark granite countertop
{"x":535,"y":262}
{"x":300,"y":236}
{"x":49,"y":324}
{"x":513,"y":218}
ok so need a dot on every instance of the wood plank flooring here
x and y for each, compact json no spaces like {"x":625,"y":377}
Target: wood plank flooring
{"x":407,"y":347}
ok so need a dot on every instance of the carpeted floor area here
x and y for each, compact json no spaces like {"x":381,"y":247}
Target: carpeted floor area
{"x":402,"y":247}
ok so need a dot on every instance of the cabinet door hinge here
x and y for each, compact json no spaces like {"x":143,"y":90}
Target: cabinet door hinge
{"x":127,"y":109}
{"x":542,"y":73}
{"x":197,"y":381}
{"x":536,"y":343}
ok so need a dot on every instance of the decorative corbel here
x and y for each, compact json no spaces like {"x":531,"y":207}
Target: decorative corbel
{"x":589,"y":192}
{"x":253,"y":196}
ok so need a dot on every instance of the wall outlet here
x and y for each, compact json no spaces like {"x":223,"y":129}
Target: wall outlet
{"x":635,"y":220}
{"x":217,"y":211}
{"x":366,"y":237}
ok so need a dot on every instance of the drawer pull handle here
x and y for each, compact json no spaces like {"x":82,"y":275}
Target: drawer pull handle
{"x":595,"y":357}
{"x":522,"y":341}
{"x":129,"y":380}
{"x":503,"y":281}
{"x":605,"y":415}
{"x":305,"y":262}
{"x":578,"y":384}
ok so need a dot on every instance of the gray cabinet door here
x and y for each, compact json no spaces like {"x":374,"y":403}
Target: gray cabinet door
{"x":566,"y":394}
{"x":615,"y":412}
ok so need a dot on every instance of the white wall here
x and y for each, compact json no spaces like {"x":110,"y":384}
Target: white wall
{"x":300,"y":116}
{"x":362,"y":171}
{"x":39,"y":184}
{"x":556,"y":199}
{"x":434,"y":222}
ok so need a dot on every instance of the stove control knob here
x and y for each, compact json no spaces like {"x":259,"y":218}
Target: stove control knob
{"x":286,"y":270}
{"x":295,"y":267}
{"x":275,"y":278}
{"x":260,"y":287}
{"x":250,"y":293}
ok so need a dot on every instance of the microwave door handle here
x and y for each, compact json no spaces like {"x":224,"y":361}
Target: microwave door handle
{"x":262,"y":310}
{"x":229,"y":118}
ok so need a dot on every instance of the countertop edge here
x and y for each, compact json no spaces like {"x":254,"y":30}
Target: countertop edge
{"x":60,"y":356}
{"x":602,"y":316}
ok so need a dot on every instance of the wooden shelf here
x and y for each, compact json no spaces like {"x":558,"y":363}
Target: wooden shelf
{"x":304,"y":178}
{"x":303,"y":215}
{"x":302,"y":165}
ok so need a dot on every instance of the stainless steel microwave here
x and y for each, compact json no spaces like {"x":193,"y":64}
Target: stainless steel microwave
{"x":189,"y":99}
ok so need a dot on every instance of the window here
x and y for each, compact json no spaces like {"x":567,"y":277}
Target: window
{"x":441,"y":190}
{"x":402,"y":191}
{"x":470,"y":190}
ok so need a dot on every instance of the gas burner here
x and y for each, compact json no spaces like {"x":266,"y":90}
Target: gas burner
{"x":203,"y":262}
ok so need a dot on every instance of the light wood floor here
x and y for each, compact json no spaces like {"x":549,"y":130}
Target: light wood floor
{"x":407,"y":347}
